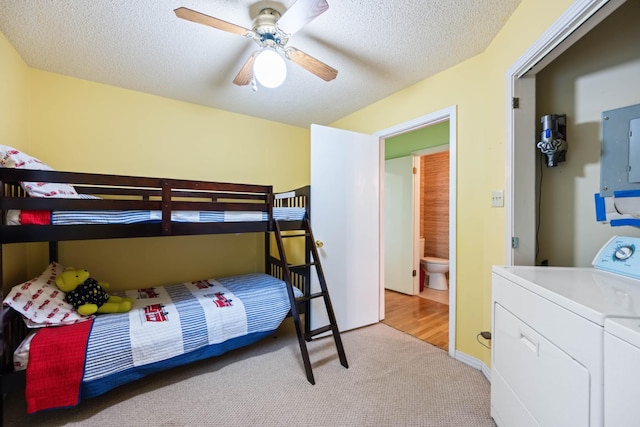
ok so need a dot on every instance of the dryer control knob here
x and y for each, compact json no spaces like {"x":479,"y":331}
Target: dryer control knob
{"x":624,"y":252}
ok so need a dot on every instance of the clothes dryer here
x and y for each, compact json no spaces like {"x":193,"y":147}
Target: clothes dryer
{"x":548,"y":364}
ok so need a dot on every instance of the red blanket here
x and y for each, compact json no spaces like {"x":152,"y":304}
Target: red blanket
{"x":56,"y":366}
{"x":35,"y":217}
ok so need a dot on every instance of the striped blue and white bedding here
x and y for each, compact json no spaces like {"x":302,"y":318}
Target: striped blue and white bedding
{"x":175,"y":325}
{"x":132,"y":216}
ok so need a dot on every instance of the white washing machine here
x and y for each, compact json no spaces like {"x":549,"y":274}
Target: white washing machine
{"x":548,"y":341}
{"x":622,"y":372}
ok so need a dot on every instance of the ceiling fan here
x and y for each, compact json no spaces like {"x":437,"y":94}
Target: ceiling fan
{"x":271,"y":31}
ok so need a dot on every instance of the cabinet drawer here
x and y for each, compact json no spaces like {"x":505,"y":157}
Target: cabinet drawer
{"x":568,"y":331}
{"x":551,"y":385}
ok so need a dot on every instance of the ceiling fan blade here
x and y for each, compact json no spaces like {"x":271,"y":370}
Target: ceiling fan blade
{"x":300,"y":14}
{"x":311,"y":64}
{"x":245,"y":75}
{"x":201,"y":18}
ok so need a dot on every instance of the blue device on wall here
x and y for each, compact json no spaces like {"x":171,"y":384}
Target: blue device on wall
{"x":553,"y":138}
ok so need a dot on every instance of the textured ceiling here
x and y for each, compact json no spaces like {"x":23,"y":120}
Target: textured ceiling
{"x":378,"y":47}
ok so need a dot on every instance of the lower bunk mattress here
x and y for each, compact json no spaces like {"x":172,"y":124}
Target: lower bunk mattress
{"x":167,"y":327}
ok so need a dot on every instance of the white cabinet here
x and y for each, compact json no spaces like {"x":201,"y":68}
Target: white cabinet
{"x":546,"y":349}
{"x":550,"y":363}
{"x":548,"y":383}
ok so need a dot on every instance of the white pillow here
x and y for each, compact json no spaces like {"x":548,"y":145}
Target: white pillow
{"x":13,"y":158}
{"x":41,"y":302}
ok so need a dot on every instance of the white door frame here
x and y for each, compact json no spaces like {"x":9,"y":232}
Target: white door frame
{"x":440,"y":116}
{"x":574,"y":23}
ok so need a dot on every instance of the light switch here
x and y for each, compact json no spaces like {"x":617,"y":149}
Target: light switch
{"x":497,"y":199}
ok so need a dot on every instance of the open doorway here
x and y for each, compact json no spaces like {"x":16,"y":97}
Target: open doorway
{"x":356,"y":304}
{"x":447,"y":117}
{"x":416,"y":208}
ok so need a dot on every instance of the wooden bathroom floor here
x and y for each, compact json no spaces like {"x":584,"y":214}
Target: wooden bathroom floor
{"x":424,"y":319}
{"x":434,"y":295}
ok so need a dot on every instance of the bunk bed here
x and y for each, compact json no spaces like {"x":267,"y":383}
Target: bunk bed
{"x":99,"y":206}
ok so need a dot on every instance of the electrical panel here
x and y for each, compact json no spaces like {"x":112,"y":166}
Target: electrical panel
{"x":620,"y":151}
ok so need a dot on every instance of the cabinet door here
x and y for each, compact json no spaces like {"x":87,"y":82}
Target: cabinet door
{"x":621,"y":383}
{"x":553,"y":387}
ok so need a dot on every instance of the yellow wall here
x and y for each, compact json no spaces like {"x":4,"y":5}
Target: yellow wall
{"x":13,"y":121}
{"x":91,"y":127}
{"x":478,"y":88}
{"x":77,"y":125}
{"x":13,"y":94}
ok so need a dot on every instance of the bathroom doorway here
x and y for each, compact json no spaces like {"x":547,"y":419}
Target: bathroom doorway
{"x":416,"y":206}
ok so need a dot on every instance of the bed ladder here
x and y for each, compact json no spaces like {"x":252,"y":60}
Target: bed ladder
{"x":312,"y":260}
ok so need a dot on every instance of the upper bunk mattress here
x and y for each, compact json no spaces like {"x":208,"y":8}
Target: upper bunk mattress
{"x":135,"y":216}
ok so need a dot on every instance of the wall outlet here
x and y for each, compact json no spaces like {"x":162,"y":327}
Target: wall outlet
{"x":497,"y":199}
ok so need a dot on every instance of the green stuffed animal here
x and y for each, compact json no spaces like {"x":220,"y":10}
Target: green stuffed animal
{"x":87,"y":295}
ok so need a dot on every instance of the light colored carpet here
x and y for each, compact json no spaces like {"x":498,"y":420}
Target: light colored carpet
{"x":393,"y":379}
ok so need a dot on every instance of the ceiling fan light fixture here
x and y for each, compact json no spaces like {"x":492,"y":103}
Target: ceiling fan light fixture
{"x":271,"y":31}
{"x":269,"y":68}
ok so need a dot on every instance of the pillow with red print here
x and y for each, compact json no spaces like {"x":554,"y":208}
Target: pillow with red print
{"x":13,"y":158}
{"x":41,"y":302}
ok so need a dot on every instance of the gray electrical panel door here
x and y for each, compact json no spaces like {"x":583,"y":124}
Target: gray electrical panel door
{"x":634,"y":150}
{"x":620,"y":150}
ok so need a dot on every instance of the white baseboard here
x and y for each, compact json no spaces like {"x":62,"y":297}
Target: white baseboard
{"x":474,"y":363}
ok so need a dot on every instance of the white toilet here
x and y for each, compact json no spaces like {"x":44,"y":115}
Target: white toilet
{"x":434,"y":269}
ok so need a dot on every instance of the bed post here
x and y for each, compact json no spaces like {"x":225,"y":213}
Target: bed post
{"x":267,"y":234}
{"x":2,"y":337}
{"x":2,"y":218}
{"x":2,"y":309}
{"x":53,"y":252}
{"x":267,"y":250}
